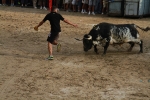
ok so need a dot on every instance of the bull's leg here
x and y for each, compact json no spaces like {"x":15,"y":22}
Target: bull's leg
{"x":137,"y":41}
{"x":95,"y":49}
{"x":131,"y":47}
{"x":105,"y":48}
{"x":141,"y":47}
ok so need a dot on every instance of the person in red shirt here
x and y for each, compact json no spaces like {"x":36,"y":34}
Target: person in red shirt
{"x":54,"y":18}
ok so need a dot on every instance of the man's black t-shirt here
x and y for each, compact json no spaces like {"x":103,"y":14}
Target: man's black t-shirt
{"x":54,"y":19}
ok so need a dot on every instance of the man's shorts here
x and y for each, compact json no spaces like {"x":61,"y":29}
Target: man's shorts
{"x":85,"y":1}
{"x":104,"y":3}
{"x":52,"y":36}
{"x":74,"y":2}
{"x":92,"y":2}
{"x":67,"y":1}
{"x":58,"y":1}
{"x":79,"y":2}
{"x":41,"y":1}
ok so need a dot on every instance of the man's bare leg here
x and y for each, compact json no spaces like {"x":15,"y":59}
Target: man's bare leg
{"x":50,"y":49}
{"x":89,"y":10}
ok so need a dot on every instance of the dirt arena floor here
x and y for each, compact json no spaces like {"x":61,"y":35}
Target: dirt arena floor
{"x":73,"y":74}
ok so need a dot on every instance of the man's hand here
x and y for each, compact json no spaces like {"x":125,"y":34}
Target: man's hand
{"x":36,"y":28}
{"x":75,"y":25}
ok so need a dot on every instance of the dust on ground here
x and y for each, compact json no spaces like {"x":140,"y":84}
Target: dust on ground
{"x":73,"y":74}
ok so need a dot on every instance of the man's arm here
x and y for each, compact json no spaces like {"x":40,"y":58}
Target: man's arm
{"x":36,"y":27}
{"x":66,"y":21}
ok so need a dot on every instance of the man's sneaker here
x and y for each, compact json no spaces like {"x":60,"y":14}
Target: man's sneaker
{"x":58,"y":47}
{"x":50,"y":58}
{"x":4,"y":4}
{"x":89,"y":13}
{"x":35,"y":7}
{"x":41,"y":7}
{"x":12,"y":4}
{"x":93,"y":13}
{"x":82,"y":12}
{"x":44,"y":8}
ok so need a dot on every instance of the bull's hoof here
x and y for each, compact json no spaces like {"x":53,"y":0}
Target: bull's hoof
{"x":97,"y":52}
{"x":129,"y":50}
{"x":103,"y":55}
{"x":140,"y":52}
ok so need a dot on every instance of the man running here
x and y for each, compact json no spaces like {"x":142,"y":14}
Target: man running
{"x":54,"y":19}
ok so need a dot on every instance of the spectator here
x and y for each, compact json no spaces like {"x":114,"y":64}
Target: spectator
{"x":84,"y":6}
{"x":42,"y":4}
{"x":60,"y":3}
{"x":18,"y":2}
{"x":12,"y":3}
{"x":24,"y":3}
{"x":91,"y":6}
{"x":79,"y":2}
{"x":74,"y":3}
{"x":34,"y":4}
{"x":98,"y":6}
{"x":56,"y":2}
{"x":0,"y":2}
{"x":67,"y":4}
{"x":4,"y":2}
{"x":104,"y":6}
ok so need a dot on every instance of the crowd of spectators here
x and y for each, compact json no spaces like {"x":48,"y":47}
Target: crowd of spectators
{"x":83,"y":6}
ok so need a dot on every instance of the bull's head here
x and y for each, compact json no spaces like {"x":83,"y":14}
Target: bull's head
{"x":87,"y":42}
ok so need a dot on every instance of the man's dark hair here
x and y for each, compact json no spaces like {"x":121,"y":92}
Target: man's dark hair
{"x":53,"y":8}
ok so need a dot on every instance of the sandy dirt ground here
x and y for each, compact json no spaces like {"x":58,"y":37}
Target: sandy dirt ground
{"x":73,"y":74}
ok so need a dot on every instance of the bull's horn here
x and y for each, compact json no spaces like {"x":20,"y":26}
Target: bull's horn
{"x":89,"y":37}
{"x":78,"y":39}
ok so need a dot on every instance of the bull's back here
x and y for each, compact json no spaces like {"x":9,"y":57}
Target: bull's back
{"x":123,"y":33}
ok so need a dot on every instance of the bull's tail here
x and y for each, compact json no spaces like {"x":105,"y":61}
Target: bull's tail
{"x":143,"y":29}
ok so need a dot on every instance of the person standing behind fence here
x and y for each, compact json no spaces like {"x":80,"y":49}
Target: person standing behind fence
{"x":84,"y":6}
{"x":4,"y":2}
{"x":67,"y":5}
{"x":42,"y":4}
{"x":24,"y":3}
{"x":34,"y":4}
{"x":91,"y":6}
{"x":12,"y":3}
{"x":104,"y":6}
{"x":74,"y":3}
{"x":79,"y":2}
{"x":57,"y":3}
{"x":98,"y":6}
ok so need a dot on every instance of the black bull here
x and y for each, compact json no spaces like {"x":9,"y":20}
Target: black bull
{"x":106,"y":33}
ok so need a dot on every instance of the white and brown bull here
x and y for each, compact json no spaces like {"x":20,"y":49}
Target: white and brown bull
{"x":106,"y":33}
